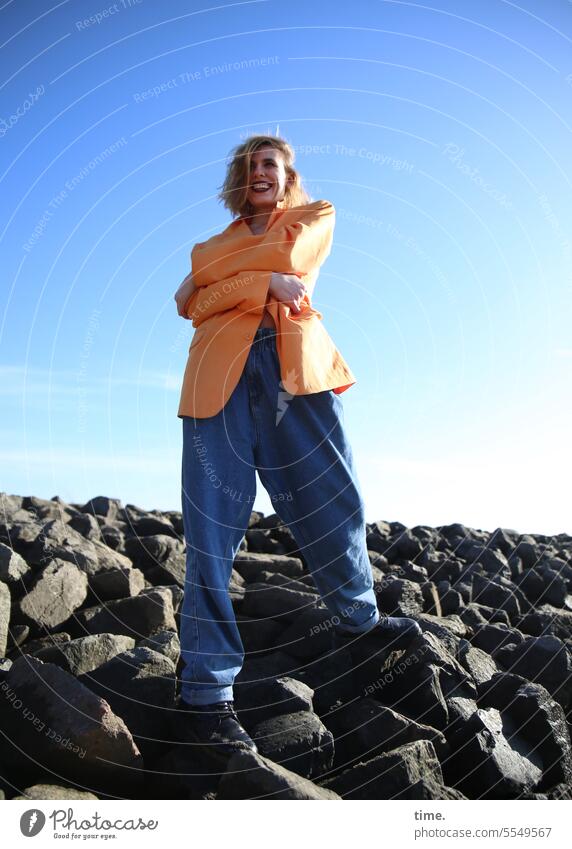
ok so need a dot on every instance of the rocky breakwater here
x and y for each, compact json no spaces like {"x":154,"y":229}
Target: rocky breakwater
{"x":479,"y":706}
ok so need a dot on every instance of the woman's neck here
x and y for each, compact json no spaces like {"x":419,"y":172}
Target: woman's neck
{"x":258,"y":221}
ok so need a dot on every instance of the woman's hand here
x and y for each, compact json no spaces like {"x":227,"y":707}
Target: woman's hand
{"x":183,"y":294}
{"x":288,"y":288}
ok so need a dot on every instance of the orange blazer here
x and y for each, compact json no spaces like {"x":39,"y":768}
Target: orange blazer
{"x":232,"y":272}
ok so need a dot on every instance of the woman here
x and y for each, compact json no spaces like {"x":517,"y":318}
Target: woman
{"x":261,"y":393}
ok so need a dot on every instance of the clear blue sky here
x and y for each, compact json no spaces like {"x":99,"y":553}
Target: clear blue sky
{"x":441,"y":132}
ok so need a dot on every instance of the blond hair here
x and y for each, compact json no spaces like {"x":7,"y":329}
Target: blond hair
{"x":233,"y":192}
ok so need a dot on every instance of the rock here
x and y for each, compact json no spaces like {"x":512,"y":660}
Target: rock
{"x":559,"y":792}
{"x":277,"y":602}
{"x":400,"y":597}
{"x":86,"y":653}
{"x":5,"y":608}
{"x":490,"y":758}
{"x":299,"y":741}
{"x":480,"y":666}
{"x":53,"y":725}
{"x":109,"y":509}
{"x":454,"y":680}
{"x":460,"y":711}
{"x":416,"y":692}
{"x":471,"y":615}
{"x":258,"y":635}
{"x":270,"y":666}
{"x":500,"y":594}
{"x":139,"y":685}
{"x":544,"y":660}
{"x":17,"y":634}
{"x":263,"y":541}
{"x":450,"y":630}
{"x":48,"y":642}
{"x":116,"y":583}
{"x":40,"y":545}
{"x":426,"y":788}
{"x":250,"y":776}
{"x":309,"y":635}
{"x":164,"y":642}
{"x":59,"y":591}
{"x":181,"y":772}
{"x":53,"y":791}
{"x":539,"y":718}
{"x":250,"y":564}
{"x":543,"y":586}
{"x":160,"y":557}
{"x":490,"y":638}
{"x":365,"y":728}
{"x":142,"y":616}
{"x":431,"y":599}
{"x":266,"y":699}
{"x":390,"y":775}
{"x":13,"y":567}
{"x":493,"y":562}
{"x":451,"y":601}
{"x":148,"y":525}
{"x":236,"y":588}
{"x":276,"y":579}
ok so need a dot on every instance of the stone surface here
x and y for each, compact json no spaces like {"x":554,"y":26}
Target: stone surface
{"x":250,"y":776}
{"x":299,"y":741}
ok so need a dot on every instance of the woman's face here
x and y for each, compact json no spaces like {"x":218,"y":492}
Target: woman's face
{"x":267,"y":168}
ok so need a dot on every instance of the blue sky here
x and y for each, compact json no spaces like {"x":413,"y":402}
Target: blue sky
{"x":440,"y":131}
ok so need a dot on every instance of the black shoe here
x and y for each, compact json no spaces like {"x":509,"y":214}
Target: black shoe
{"x":391,"y":632}
{"x":215,"y":728}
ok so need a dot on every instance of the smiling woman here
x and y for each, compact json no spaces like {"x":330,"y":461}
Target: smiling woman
{"x":261,"y":394}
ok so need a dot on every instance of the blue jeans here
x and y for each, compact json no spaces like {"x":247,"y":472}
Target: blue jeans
{"x":299,"y":447}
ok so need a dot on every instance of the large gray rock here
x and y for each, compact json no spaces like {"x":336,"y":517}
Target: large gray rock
{"x":59,"y":591}
{"x":277,"y":602}
{"x":258,"y":635}
{"x":299,"y":741}
{"x":265,"y":699}
{"x":160,"y":557}
{"x":40,"y":543}
{"x":491,"y":759}
{"x":490,"y":638}
{"x":139,"y":685}
{"x":250,"y":776}
{"x":141,"y":616}
{"x":13,"y":567}
{"x":309,"y":635}
{"x":539,"y":718}
{"x":53,"y":791}
{"x":388,"y":776}
{"x":400,"y":597}
{"x":165,"y":642}
{"x":53,"y":725}
{"x":365,"y":728}
{"x":480,"y":666}
{"x":5,"y":607}
{"x":85,"y":653}
{"x":249,"y":564}
{"x":116,"y":583}
{"x":545,"y":660}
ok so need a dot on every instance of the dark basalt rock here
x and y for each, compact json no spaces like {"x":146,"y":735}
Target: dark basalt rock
{"x":391,"y":775}
{"x":478,"y":706}
{"x":298,"y":741}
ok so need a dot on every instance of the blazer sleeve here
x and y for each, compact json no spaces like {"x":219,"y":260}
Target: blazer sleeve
{"x":246,"y":292}
{"x":297,"y":247}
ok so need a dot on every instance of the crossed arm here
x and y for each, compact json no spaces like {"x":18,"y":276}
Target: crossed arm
{"x":219,"y":281}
